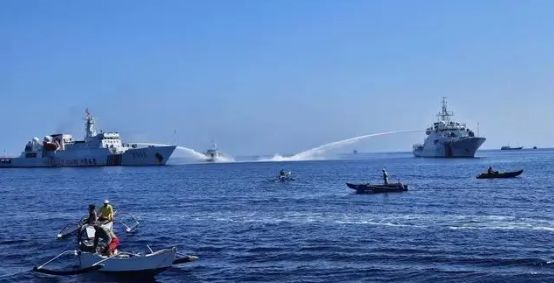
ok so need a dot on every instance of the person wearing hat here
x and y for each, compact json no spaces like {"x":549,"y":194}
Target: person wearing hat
{"x":385,"y":176}
{"x":106,"y":212}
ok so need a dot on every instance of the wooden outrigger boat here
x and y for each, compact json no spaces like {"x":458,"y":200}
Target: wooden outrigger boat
{"x":123,"y":263}
{"x":372,"y":189}
{"x":92,"y":258}
{"x":498,"y":175}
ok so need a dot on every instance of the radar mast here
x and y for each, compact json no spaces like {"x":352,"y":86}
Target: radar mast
{"x":90,"y":129}
{"x":444,"y":115}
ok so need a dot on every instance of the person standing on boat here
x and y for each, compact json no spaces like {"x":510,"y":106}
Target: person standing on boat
{"x":106,"y":212}
{"x":385,"y":176}
{"x":490,"y":171}
{"x":92,"y":216}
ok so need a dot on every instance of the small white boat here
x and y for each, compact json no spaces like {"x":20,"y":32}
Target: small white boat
{"x":148,"y":264}
{"x":285,"y":176}
{"x":212,"y":154}
{"x":91,"y":257}
{"x":123,"y":263}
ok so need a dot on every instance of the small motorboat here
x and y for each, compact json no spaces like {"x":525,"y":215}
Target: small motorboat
{"x":495,"y":175}
{"x":507,"y":147}
{"x":214,"y":155}
{"x":284,"y":176}
{"x":373,"y":189}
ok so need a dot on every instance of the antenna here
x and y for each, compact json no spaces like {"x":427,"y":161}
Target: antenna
{"x":90,"y":130}
{"x":444,"y":115}
{"x":214,"y":145}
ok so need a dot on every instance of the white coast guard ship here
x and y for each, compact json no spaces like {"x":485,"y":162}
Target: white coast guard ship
{"x":447,"y":138}
{"x":97,"y":149}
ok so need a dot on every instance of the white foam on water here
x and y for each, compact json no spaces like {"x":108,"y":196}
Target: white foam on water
{"x":276,"y":157}
{"x":497,"y":222}
{"x":199,"y":156}
{"x":192,"y":153}
{"x":223,"y":159}
{"x":453,"y":222}
{"x":320,"y":151}
{"x":188,"y":152}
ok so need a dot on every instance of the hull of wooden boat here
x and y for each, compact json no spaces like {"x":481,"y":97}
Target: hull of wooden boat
{"x":124,"y":263}
{"x":500,"y":175}
{"x":369,"y":189}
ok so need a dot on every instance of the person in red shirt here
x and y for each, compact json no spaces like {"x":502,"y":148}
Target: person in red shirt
{"x":112,"y":247}
{"x":108,"y":237}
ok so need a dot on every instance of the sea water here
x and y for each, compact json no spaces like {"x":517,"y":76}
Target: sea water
{"x":246,"y":227}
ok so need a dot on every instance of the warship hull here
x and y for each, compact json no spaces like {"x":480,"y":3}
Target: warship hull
{"x":145,"y":156}
{"x":460,"y":148}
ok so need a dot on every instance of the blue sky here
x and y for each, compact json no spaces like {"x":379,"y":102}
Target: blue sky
{"x":263,"y":77}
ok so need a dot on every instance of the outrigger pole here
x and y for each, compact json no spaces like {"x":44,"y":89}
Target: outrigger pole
{"x":41,"y":268}
{"x":68,"y":272}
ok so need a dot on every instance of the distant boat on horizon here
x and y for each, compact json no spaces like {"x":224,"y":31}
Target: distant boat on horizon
{"x":507,"y":147}
{"x":212,"y":154}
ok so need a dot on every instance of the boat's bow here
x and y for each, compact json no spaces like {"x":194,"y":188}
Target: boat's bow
{"x":148,"y":156}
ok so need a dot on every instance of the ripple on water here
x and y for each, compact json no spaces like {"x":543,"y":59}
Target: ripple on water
{"x":449,"y":227}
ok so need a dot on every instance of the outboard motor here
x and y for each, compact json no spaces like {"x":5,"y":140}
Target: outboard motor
{"x":86,"y":238}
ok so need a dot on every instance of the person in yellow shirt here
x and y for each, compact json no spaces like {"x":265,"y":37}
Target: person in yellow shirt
{"x":106,"y":212}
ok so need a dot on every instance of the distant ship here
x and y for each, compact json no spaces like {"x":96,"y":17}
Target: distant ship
{"x":213,"y":154}
{"x":447,"y":138}
{"x":507,"y":147}
{"x":97,"y":149}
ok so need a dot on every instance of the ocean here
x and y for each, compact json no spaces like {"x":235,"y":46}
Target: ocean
{"x":246,"y":227}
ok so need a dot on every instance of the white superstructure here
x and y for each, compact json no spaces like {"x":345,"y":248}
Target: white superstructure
{"x":447,"y":138}
{"x":97,"y":149}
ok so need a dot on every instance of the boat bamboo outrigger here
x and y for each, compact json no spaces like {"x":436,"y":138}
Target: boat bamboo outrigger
{"x":92,"y":254}
{"x":148,"y":264}
{"x":129,"y":221}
